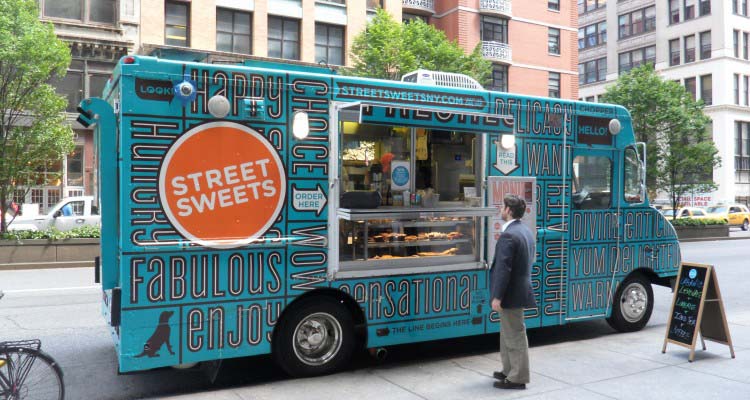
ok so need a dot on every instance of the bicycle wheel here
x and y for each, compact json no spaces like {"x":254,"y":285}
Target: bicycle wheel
{"x":29,"y":374}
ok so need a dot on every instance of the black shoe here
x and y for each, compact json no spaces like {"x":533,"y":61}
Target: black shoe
{"x":506,"y":384}
{"x":499,"y":375}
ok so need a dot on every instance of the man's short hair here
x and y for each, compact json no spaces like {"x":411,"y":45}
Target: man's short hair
{"x":516,"y":204}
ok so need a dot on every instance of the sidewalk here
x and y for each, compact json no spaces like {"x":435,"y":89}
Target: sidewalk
{"x":613,"y":366}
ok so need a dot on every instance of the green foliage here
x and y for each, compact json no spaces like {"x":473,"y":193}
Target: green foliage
{"x":83,"y":232}
{"x":697,"y":221}
{"x":681,"y":156}
{"x":387,"y":49}
{"x":33,"y":131}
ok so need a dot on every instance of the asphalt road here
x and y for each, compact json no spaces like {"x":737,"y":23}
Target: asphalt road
{"x":62,"y":307}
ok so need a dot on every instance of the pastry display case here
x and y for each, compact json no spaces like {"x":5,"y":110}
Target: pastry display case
{"x":394,"y":237}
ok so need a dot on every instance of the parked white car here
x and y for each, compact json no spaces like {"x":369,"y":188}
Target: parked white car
{"x":69,"y":213}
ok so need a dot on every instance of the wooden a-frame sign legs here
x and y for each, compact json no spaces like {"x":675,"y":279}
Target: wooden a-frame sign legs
{"x":697,"y":307}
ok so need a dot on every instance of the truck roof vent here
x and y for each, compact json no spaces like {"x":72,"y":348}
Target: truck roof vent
{"x":449,"y":79}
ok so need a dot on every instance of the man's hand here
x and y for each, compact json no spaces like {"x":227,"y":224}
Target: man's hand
{"x":496,"y":305}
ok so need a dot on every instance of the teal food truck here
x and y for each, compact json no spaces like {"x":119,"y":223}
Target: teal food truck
{"x":277,"y":208}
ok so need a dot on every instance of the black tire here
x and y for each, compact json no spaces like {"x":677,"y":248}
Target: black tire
{"x":314,"y":338}
{"x":632,"y":304}
{"x":36,"y":375}
{"x":745,"y":225}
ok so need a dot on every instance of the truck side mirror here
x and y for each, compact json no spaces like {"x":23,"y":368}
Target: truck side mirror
{"x":57,"y":214}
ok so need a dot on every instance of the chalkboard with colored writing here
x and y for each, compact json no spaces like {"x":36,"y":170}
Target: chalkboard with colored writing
{"x":697,"y":309}
{"x":687,"y":304}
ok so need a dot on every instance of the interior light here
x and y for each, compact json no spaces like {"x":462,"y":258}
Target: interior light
{"x":300,"y":125}
{"x":507,"y":141}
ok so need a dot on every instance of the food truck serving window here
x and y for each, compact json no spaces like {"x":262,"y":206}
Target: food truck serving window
{"x":409,"y":199}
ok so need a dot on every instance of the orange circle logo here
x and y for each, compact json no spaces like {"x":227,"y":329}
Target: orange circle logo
{"x":222,"y":185}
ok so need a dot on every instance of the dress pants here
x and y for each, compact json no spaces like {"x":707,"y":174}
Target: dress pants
{"x":514,"y":346}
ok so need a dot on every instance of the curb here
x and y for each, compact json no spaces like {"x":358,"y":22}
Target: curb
{"x":712,"y":239}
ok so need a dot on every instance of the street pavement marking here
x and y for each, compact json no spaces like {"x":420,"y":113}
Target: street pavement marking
{"x":51,"y":289}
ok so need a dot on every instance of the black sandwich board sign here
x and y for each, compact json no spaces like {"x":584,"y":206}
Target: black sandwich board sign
{"x":697,"y":307}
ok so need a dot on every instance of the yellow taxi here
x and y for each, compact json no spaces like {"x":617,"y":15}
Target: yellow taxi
{"x":692,"y":212}
{"x":734,"y":214}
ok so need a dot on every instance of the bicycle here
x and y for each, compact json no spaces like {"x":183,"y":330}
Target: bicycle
{"x":26,"y":372}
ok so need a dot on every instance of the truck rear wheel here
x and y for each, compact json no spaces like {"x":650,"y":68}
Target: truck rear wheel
{"x":632,"y":304}
{"x":314,"y":338}
{"x":745,"y":225}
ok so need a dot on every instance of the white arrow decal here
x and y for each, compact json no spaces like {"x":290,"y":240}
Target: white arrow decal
{"x":506,"y":160}
{"x":309,"y":200}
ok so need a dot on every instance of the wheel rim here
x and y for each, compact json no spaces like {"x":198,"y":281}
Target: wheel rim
{"x":633,"y":302}
{"x":317,"y":339}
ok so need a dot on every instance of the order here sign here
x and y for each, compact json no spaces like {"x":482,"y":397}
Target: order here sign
{"x":222,"y":184}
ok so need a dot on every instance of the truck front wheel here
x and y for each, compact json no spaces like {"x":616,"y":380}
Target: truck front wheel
{"x":632,"y":304}
{"x":314,"y":338}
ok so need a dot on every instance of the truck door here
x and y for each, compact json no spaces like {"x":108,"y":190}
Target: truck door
{"x":594,"y":232}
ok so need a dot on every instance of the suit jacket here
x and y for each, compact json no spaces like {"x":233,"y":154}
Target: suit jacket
{"x":510,"y":276}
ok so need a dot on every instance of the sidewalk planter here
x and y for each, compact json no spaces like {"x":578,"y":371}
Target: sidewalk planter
{"x":704,"y":231}
{"x":45,"y":253}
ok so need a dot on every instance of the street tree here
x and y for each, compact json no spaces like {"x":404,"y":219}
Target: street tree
{"x":34,"y":134}
{"x":387,"y":49}
{"x":681,"y":154}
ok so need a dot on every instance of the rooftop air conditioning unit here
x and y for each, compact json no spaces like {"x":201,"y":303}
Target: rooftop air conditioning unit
{"x":437,"y":78}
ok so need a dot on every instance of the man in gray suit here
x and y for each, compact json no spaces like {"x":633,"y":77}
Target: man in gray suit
{"x":510,"y":289}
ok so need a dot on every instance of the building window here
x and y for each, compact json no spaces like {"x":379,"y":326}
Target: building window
{"x":736,"y":39}
{"x":406,"y":17}
{"x":746,"y":94}
{"x":742,"y":147}
{"x":591,"y":99}
{"x":674,"y":52}
{"x":499,"y":78}
{"x":674,"y":11}
{"x":744,"y":7}
{"x":704,"y":7}
{"x":705,"y":38}
{"x":746,"y":44}
{"x":553,"y":41}
{"x":233,"y":31}
{"x":706,"y":90}
{"x":177,"y":24}
{"x":283,"y":38}
{"x":585,"y":6}
{"x":75,"y":167}
{"x":737,"y":89}
{"x":554,"y":84}
{"x":494,"y":29}
{"x":84,"y":79}
{"x":87,"y":11}
{"x":373,"y":4}
{"x":689,"y":11}
{"x":637,"y":22}
{"x":592,"y":71}
{"x":689,"y":48}
{"x":690,"y":87}
{"x":592,"y":35}
{"x":634,"y":58}
{"x":553,"y":5}
{"x":329,"y":44}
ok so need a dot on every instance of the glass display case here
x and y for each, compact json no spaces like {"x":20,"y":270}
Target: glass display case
{"x":396,"y":237}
